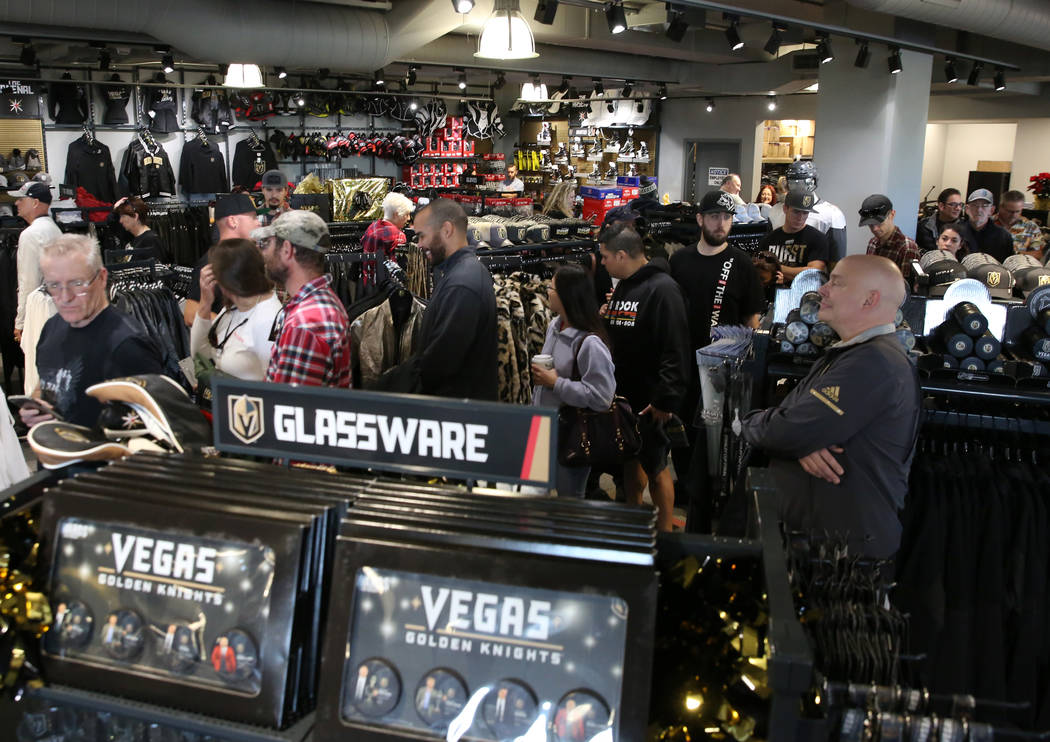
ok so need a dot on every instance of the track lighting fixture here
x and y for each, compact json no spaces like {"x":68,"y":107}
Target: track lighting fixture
{"x":863,"y":55}
{"x":378,"y":79}
{"x":28,"y":56}
{"x":775,"y":39}
{"x":975,"y":74}
{"x":463,"y":6}
{"x":413,"y":105}
{"x":676,"y":25}
{"x":733,"y":33}
{"x":104,"y":59}
{"x":461,"y":80}
{"x":501,"y":80}
{"x":300,"y":100}
{"x":168,"y":63}
{"x":628,"y":88}
{"x":710,"y":105}
{"x":662,"y":92}
{"x":616,"y":17}
{"x":894,"y":60}
{"x":281,"y":72}
{"x":545,"y":12}
{"x":323,"y":73}
{"x":224,"y":69}
{"x":950,"y":75}
{"x":1000,"y":80}
{"x":610,"y":107}
{"x":410,"y":76}
{"x":599,"y":89}
{"x":564,"y":87}
{"x":824,"y":53}
{"x":771,"y":102}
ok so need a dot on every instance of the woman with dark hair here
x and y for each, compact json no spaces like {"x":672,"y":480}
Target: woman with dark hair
{"x":133,"y":215}
{"x":767,"y":194}
{"x":238,"y":339}
{"x":583,"y":373}
{"x":952,"y":240}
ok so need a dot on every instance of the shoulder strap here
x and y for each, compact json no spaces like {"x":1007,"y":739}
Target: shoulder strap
{"x":576,"y":359}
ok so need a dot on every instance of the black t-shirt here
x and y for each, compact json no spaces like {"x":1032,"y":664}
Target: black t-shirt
{"x":70,"y":359}
{"x":722,"y":289}
{"x":116,"y":98}
{"x":149,"y":240}
{"x":194,"y":291}
{"x":797,"y":249}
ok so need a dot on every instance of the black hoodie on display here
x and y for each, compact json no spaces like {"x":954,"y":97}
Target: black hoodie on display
{"x":650,"y":339}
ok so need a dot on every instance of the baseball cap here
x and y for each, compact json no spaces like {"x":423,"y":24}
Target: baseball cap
{"x":274,"y":179}
{"x":34,"y":189}
{"x":993,"y":275}
{"x":1033,"y":278}
{"x":801,"y":199}
{"x":233,"y":204}
{"x":874,"y":210}
{"x":302,"y":228}
{"x":620,"y":214}
{"x":717,"y":202}
{"x":979,"y":194}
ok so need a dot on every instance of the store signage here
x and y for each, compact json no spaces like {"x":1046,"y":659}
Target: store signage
{"x":18,"y":99}
{"x":715,"y":175}
{"x":525,"y":657}
{"x":390,"y":432}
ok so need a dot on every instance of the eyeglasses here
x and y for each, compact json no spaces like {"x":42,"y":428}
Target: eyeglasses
{"x":78,"y":288}
{"x":954,"y":204}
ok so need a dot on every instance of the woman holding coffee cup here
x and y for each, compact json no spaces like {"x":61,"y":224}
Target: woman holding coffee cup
{"x":575,"y":367}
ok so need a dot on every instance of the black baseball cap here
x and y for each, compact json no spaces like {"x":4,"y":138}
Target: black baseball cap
{"x":800,"y":199}
{"x":234,"y":204}
{"x":874,"y":210}
{"x":620,"y":214}
{"x":717,"y":202}
{"x":274,"y":179}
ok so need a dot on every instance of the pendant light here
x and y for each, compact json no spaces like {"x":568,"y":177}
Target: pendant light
{"x":506,"y":34}
{"x":243,"y":76}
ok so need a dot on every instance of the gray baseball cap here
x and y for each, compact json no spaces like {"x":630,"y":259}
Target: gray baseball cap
{"x":302,"y":228}
{"x":981,"y":194}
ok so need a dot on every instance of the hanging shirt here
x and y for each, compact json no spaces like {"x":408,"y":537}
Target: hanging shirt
{"x":202,"y":168}
{"x":163,"y":105}
{"x":89,"y":164}
{"x":116,"y":99}
{"x":67,"y":103}
{"x":250,"y":161}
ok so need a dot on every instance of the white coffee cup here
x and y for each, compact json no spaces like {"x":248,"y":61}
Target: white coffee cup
{"x":543,"y":361}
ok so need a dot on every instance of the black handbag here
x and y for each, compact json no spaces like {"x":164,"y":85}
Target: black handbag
{"x":600,"y":439}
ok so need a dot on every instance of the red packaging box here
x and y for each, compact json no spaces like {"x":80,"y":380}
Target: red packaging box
{"x":468,"y":147}
{"x":494,"y":157}
{"x":630,"y":192}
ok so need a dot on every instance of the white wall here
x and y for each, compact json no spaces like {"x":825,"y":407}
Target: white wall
{"x":965,"y":144}
{"x":1031,"y":153}
{"x":933,"y":160}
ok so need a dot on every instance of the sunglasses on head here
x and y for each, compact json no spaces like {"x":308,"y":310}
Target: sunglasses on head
{"x":873,"y":214}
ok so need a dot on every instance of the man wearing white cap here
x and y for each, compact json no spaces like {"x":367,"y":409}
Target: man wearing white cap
{"x":988,"y":237}
{"x":33,"y":200}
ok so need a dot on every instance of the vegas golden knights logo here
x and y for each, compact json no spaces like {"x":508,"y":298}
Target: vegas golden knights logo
{"x":993,"y":278}
{"x":246,"y":417}
{"x":1044,"y":280}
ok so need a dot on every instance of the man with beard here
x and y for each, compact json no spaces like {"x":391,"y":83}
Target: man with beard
{"x":721,"y":287}
{"x":312,"y":335}
{"x":275,"y":196}
{"x":458,"y":336}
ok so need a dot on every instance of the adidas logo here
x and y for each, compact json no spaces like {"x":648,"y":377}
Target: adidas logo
{"x":831,"y":392}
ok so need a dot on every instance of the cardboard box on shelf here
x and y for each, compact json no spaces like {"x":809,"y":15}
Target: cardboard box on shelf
{"x":601,"y":192}
{"x":807,"y":147}
{"x":595,"y":208}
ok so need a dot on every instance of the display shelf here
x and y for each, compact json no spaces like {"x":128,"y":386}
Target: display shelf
{"x":184,"y":721}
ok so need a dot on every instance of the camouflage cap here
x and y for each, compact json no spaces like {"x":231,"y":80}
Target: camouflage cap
{"x":301,"y":228}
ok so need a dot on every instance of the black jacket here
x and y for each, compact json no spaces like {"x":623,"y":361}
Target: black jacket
{"x":202,"y":168}
{"x":90,"y":164}
{"x":650,"y":339}
{"x":146,"y":173}
{"x":458,"y":336}
{"x":866,"y":399}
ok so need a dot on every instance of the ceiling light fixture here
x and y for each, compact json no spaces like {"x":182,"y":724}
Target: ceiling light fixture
{"x":950,"y":74}
{"x":733,"y":33}
{"x":894,"y":60}
{"x":411,"y":75}
{"x":863,"y":55}
{"x":775,"y":39}
{"x":463,"y":6}
{"x":413,"y":105}
{"x":599,"y":89}
{"x":168,"y":63}
{"x":628,"y":88}
{"x":676,"y":24}
{"x":710,"y":105}
{"x":662,"y":92}
{"x":104,"y":59}
{"x":506,"y":34}
{"x":771,"y":103}
{"x":281,"y":72}
{"x":378,"y":79}
{"x":616,"y":17}
{"x":300,"y":100}
{"x":824,"y":52}
{"x":28,"y":56}
{"x":975,"y":74}
{"x":545,"y":12}
{"x":461,"y":81}
{"x":1000,"y":80}
{"x":243,"y":76}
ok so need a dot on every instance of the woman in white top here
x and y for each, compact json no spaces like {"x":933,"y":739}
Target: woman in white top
{"x":238,"y":339}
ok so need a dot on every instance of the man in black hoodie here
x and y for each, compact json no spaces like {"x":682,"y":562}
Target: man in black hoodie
{"x":650,"y":347}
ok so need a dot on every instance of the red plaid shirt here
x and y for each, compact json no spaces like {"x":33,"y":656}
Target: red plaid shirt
{"x":899,"y":248}
{"x":313,"y":339}
{"x":383,"y":236}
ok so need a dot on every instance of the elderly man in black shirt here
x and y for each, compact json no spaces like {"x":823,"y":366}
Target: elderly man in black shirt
{"x":984,"y":235}
{"x":842,"y":441}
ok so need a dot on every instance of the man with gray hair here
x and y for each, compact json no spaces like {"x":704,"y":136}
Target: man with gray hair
{"x":88,"y":341}
{"x":312,"y":341}
{"x":385,"y":235}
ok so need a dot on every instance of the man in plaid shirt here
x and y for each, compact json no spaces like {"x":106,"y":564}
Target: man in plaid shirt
{"x":384,"y":235}
{"x":312,"y":334}
{"x":1027,"y":236}
{"x":888,"y":240}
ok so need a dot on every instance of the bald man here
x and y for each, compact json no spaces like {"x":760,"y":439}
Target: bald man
{"x":841,"y":443}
